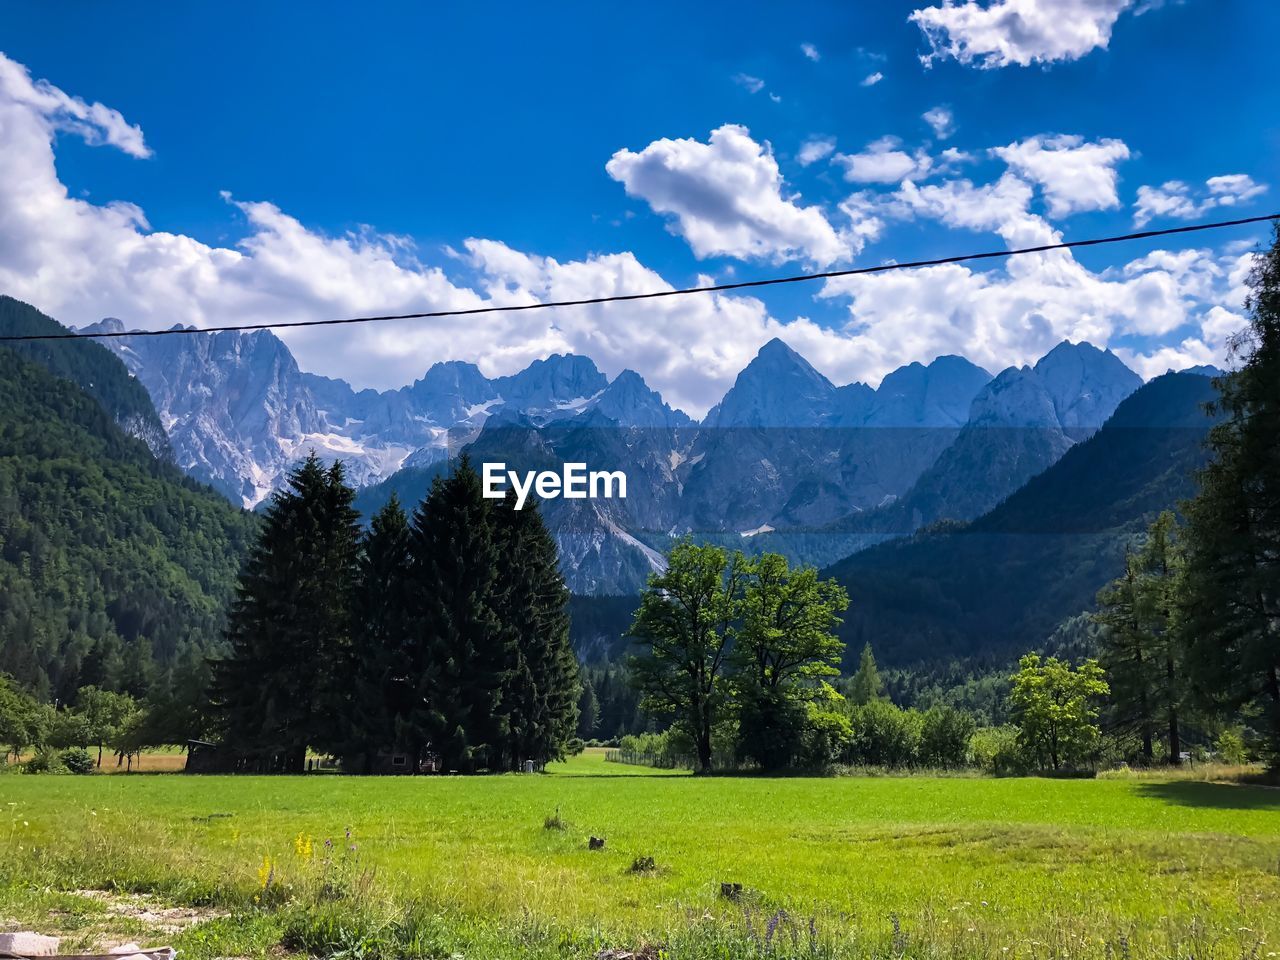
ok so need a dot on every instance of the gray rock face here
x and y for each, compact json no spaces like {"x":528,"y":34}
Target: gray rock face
{"x":1085,"y":384}
{"x":785,"y":454}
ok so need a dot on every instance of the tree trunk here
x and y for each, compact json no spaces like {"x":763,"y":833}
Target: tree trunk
{"x":704,"y":751}
{"x":1175,"y":738}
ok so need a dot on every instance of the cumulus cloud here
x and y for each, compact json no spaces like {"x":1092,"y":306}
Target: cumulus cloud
{"x":749,"y":83}
{"x":941,"y":121}
{"x":80,"y":261}
{"x":1074,"y":175}
{"x":1182,"y":304}
{"x":871,"y":79}
{"x":815,"y":149}
{"x":1002,"y":33}
{"x":727,"y":198}
{"x":810,"y":51}
{"x":92,"y":122}
{"x":884,"y":161}
{"x":1177,"y":199}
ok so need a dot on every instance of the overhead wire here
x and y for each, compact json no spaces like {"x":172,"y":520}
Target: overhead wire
{"x":652,"y":294}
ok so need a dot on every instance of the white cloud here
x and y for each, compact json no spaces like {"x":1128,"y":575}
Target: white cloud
{"x":727,"y":198}
{"x":871,"y":79}
{"x":92,"y":122}
{"x":80,"y":261}
{"x":1176,"y":199}
{"x":810,"y":51}
{"x":1074,"y":175}
{"x":1000,"y":33}
{"x":1178,"y":302}
{"x":815,"y":149}
{"x":941,"y":120}
{"x":749,"y":83}
{"x":1000,"y":207}
{"x":884,"y":161}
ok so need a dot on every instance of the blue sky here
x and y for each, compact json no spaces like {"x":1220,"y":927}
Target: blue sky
{"x":361,"y":152}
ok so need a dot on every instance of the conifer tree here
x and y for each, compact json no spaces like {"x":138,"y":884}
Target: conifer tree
{"x":1127,"y":656}
{"x":1142,"y":637}
{"x":866,"y":685}
{"x":588,"y":710}
{"x":1232,"y":596}
{"x":462,"y":653}
{"x":282,"y":687}
{"x":382,"y":669}
{"x":543,"y":686}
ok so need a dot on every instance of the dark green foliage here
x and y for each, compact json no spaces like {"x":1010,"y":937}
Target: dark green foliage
{"x":1141,"y":640}
{"x":684,"y":629}
{"x":89,"y":365}
{"x":468,"y":652}
{"x":286,"y":683}
{"x":785,"y":653}
{"x":588,"y":710}
{"x":114,"y":568}
{"x":944,"y":737}
{"x":619,"y":701}
{"x":543,"y":688}
{"x":385,"y":668}
{"x":77,"y":760}
{"x":1232,"y":600}
{"x":883,"y":735}
{"x":22,"y":721}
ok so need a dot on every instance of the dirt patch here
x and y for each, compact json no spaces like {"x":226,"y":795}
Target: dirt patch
{"x":159,"y":918}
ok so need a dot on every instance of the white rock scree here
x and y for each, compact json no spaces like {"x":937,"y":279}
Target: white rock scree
{"x":573,"y":483}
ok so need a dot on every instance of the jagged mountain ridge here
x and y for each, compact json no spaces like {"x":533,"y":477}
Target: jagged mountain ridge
{"x":785,"y":452}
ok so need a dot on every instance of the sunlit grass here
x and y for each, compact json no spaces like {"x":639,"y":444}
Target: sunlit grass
{"x":967,"y":867}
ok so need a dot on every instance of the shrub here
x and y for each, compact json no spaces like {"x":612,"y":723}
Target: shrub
{"x":884,"y":735}
{"x":945,"y":733}
{"x":826,"y":738}
{"x":997,"y":750}
{"x":44,"y":761}
{"x":1230,"y":748}
{"x":77,"y":760}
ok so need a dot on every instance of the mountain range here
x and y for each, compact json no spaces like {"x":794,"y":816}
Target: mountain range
{"x":787,"y":460}
{"x":1023,"y":511}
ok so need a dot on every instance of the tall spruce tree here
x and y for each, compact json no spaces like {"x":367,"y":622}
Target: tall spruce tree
{"x":1141,"y":640}
{"x":283,"y":687}
{"x":542,"y":684}
{"x":1232,"y":596}
{"x":383,"y":670}
{"x":866,"y":685}
{"x":1127,"y":656}
{"x":463,"y":651}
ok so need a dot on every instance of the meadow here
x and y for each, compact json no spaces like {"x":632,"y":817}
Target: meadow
{"x":500,"y":866}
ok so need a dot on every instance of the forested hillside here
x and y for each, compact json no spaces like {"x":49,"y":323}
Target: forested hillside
{"x":115,"y":569}
{"x":1002,"y":583}
{"x":90,"y":365}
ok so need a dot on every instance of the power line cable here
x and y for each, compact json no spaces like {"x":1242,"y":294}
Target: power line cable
{"x":652,"y":295}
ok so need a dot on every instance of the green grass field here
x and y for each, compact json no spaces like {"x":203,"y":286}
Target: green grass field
{"x":892,"y":866}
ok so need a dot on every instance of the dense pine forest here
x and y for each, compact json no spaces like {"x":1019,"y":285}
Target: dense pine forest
{"x":440,"y":639}
{"x":115,"y":569}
